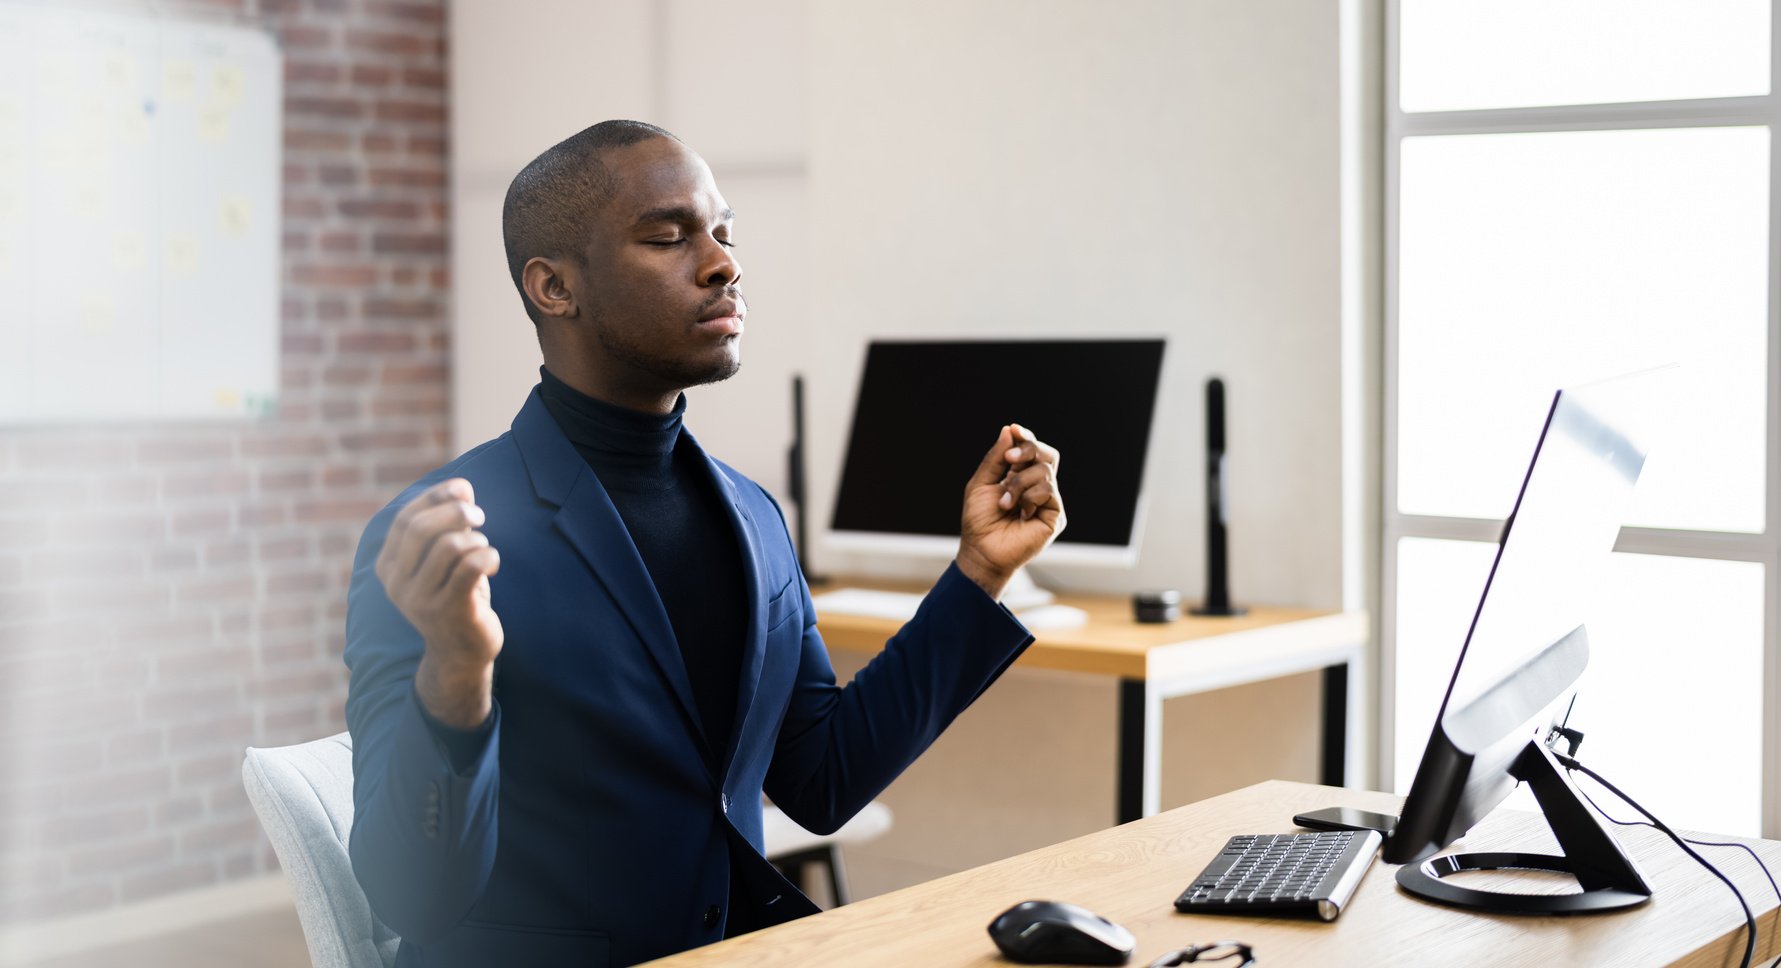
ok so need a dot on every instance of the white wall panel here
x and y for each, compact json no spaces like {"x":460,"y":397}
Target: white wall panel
{"x":1016,"y":168}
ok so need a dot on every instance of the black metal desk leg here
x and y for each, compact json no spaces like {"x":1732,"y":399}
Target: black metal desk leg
{"x":1130,"y":777}
{"x":1334,"y":770}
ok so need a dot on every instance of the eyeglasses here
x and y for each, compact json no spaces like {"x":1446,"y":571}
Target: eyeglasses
{"x":1202,"y":953}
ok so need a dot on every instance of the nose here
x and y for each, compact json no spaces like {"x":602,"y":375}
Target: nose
{"x":719,"y":267}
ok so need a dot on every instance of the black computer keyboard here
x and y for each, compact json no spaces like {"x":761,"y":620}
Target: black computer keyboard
{"x":1315,"y":873}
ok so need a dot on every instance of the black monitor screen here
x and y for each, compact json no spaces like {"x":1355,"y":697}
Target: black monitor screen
{"x":928,"y":412}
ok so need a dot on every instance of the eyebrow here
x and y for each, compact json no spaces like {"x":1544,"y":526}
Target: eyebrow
{"x":680,"y":213}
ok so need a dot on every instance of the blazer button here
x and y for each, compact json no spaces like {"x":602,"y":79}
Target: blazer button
{"x":712,"y":913}
{"x":723,"y":800}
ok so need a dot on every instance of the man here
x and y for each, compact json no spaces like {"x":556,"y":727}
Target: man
{"x":581,"y":651}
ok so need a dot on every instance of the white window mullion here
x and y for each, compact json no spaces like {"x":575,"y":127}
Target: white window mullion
{"x":1763,"y":548}
{"x":1771,"y":701}
{"x":1591,"y":117}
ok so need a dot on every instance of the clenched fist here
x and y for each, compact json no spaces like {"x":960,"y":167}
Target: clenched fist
{"x":1012,"y":509}
{"x":435,"y":567}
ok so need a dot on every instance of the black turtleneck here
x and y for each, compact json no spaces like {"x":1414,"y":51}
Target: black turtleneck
{"x":659,"y":482}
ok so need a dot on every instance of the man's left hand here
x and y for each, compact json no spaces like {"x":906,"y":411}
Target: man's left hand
{"x":1012,"y":509}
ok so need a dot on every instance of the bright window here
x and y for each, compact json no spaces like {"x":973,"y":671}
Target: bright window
{"x":1528,"y":262}
{"x":1574,"y":191}
{"x":1458,"y":55}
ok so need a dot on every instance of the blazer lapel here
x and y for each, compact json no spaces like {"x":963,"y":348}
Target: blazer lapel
{"x":587,"y":518}
{"x":754,"y":579}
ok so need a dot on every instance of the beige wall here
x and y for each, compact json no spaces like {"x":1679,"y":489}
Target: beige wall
{"x":992,"y":167}
{"x":1052,"y":167}
{"x":728,"y":79}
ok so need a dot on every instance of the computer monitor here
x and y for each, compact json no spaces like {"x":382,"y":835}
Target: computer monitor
{"x":1522,"y":657}
{"x":928,"y":411}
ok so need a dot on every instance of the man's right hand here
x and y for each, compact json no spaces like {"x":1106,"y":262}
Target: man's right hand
{"x":435,"y":567}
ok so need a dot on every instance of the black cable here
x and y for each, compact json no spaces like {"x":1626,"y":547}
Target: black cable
{"x":1749,"y":918}
{"x":1698,"y":843}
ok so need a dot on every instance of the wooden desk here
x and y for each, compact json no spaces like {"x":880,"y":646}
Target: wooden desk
{"x":1132,"y":874}
{"x":1155,"y":662}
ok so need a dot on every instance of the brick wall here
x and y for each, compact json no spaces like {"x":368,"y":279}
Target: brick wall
{"x":170,"y":594}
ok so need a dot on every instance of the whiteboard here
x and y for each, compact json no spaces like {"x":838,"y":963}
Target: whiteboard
{"x":140,"y":168}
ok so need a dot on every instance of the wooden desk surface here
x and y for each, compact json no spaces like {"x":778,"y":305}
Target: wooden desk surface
{"x":1132,"y":874}
{"x":1113,"y":642}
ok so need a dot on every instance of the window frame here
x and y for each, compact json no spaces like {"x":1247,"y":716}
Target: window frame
{"x":1764,"y":548}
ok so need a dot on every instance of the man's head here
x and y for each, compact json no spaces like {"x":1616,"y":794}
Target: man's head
{"x":618,"y":241}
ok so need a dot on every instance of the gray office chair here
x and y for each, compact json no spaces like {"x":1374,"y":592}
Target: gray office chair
{"x":303,"y":795}
{"x":794,"y":850}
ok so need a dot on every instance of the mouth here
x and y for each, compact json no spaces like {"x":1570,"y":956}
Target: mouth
{"x":724,"y":319}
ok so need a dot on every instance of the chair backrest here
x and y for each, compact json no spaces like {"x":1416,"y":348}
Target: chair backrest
{"x":303,"y":795}
{"x":783,"y":835}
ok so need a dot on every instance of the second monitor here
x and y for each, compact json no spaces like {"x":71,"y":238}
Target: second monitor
{"x":927,"y":411}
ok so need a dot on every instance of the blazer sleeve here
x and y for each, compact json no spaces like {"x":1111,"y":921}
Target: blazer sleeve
{"x":840,"y":747}
{"x":424,"y":795}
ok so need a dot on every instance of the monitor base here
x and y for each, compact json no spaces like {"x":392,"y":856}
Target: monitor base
{"x":1609,"y":878}
{"x":1024,"y":592}
{"x":1425,"y":880}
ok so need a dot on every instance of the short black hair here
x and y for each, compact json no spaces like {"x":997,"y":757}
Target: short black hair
{"x":552,"y":200}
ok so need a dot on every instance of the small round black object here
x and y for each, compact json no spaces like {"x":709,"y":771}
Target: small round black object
{"x":1162,"y":605}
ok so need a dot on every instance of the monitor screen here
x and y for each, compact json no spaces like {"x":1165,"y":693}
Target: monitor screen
{"x":1528,"y":644}
{"x":927,"y":412}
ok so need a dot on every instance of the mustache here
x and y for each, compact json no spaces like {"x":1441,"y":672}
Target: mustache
{"x":726,"y":294}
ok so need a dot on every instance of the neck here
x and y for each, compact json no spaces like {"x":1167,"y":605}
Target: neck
{"x":631,"y":394}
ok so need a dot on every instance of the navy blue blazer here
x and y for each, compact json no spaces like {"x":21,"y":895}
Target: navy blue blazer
{"x":585,"y":827}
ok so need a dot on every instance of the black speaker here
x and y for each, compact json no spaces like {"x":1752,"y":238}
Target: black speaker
{"x":795,"y":481}
{"x":1218,"y":574}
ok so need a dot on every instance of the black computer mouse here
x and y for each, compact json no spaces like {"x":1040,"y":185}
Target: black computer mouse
{"x":1056,"y":933}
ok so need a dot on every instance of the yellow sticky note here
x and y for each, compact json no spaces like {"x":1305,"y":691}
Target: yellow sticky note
{"x":136,"y":125}
{"x":89,"y":111}
{"x":237,"y":216}
{"x":59,"y":150}
{"x":229,"y":84}
{"x":213,"y":123}
{"x":98,"y":314}
{"x":182,"y":254}
{"x":90,"y":145}
{"x":226,"y":399}
{"x":120,"y":71}
{"x":129,"y":251}
{"x":92,"y":198}
{"x":181,"y":81}
{"x":60,"y":69}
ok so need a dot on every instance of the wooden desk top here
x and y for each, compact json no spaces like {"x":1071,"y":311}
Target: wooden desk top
{"x":1132,"y":874}
{"x":1113,"y":642}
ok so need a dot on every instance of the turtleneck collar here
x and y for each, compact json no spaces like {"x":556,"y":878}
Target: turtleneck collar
{"x":609,"y":436}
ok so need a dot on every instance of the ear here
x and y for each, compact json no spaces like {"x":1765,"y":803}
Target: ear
{"x":547,"y":286}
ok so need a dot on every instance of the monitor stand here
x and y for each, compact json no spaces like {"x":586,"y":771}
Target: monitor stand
{"x":1590,"y":854}
{"x":1023,"y":592}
